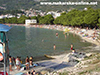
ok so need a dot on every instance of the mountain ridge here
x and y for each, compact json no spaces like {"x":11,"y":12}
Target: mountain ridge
{"x":35,"y":4}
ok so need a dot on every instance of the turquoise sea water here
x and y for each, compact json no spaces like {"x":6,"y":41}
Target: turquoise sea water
{"x":30,"y":41}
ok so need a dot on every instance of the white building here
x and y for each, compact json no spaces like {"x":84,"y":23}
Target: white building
{"x":18,"y":15}
{"x":85,"y":8}
{"x":57,"y":15}
{"x":54,"y":14}
{"x":6,"y":16}
{"x":30,"y":22}
{"x":10,"y":16}
{"x":2,"y":16}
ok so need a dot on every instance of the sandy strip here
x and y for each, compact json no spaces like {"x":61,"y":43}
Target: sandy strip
{"x":88,"y":39}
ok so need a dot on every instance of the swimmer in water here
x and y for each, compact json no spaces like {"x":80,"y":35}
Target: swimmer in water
{"x":57,"y":35}
{"x":42,"y":40}
{"x":54,"y":47}
{"x":65,"y":36}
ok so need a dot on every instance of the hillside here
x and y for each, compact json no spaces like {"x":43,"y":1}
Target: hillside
{"x":26,"y":4}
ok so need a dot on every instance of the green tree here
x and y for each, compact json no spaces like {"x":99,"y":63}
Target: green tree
{"x":48,"y":19}
{"x":14,"y":20}
{"x":6,"y":20}
{"x":98,"y":22}
{"x":91,"y":18}
{"x":57,"y":20}
{"x":64,"y":13}
{"x":22,"y":19}
{"x":38,"y":17}
{"x":1,"y":21}
{"x":34,"y":17}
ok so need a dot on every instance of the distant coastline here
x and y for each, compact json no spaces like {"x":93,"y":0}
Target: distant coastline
{"x":15,"y":24}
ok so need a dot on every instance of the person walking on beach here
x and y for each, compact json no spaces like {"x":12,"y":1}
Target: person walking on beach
{"x":27,"y":63}
{"x":54,"y":47}
{"x":31,"y":61}
{"x":20,"y":60}
{"x":17,"y":63}
{"x":10,"y":63}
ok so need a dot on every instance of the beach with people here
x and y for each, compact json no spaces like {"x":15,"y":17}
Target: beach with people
{"x":60,"y":63}
{"x":67,"y":64}
{"x":89,"y":35}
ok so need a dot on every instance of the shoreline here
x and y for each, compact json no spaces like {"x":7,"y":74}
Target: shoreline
{"x":88,"y":39}
{"x":76,"y":31}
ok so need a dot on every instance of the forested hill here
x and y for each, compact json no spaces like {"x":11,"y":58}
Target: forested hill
{"x":26,"y":4}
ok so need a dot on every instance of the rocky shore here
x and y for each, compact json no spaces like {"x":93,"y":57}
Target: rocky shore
{"x":78,"y":63}
{"x":86,"y":64}
{"x":72,"y":64}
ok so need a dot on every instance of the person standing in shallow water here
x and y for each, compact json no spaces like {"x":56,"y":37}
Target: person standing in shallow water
{"x":31,"y":61}
{"x":71,"y":47}
{"x":54,"y":47}
{"x":27,"y":63}
{"x":17,"y":63}
{"x":57,"y":35}
{"x":10,"y":63}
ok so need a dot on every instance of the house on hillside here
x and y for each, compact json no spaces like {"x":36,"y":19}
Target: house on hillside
{"x":2,"y":16}
{"x":54,"y":14}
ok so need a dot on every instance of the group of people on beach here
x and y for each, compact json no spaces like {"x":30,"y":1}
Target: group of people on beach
{"x":17,"y":62}
{"x":32,"y":72}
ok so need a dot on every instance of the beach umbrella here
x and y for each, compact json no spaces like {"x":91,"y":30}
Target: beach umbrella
{"x":69,"y":28}
{"x":4,"y":28}
{"x":66,"y":30}
{"x":83,"y":30}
